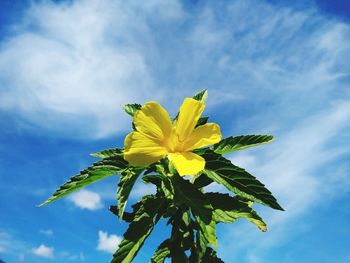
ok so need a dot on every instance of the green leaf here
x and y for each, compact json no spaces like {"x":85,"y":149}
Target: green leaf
{"x":132,"y":108}
{"x":139,"y":229}
{"x":98,"y":171}
{"x":167,"y":188}
{"x":177,"y":252}
{"x":127,"y":181}
{"x":232,"y":144}
{"x":201,"y":96}
{"x":201,"y":247}
{"x":211,"y":257}
{"x":201,"y":180}
{"x":155,"y":179}
{"x":127,"y":217}
{"x":228,"y":209}
{"x":187,"y":194}
{"x":202,"y":121}
{"x":237,"y":180}
{"x":108,"y":153}
{"x":162,"y":252}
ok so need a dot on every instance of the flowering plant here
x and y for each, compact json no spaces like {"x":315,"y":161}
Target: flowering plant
{"x":162,"y":151}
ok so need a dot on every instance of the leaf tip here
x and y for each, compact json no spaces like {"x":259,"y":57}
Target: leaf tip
{"x":42,"y":204}
{"x":263,"y":229}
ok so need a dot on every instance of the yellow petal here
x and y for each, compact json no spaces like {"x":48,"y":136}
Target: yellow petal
{"x":202,"y":136}
{"x":189,"y":113}
{"x":141,"y":150}
{"x":153,"y":121}
{"x":187,"y":163}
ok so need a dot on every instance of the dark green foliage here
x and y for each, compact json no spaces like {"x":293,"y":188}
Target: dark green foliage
{"x":211,"y":257}
{"x":228,"y":209}
{"x":162,"y":252}
{"x":191,"y":212}
{"x":126,"y":183}
{"x":186,"y":193}
{"x":139,"y":229}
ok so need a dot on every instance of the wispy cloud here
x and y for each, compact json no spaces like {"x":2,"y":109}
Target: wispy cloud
{"x":269,"y":69}
{"x":78,"y":75}
{"x":72,"y":64}
{"x":44,"y":251}
{"x":10,"y":244}
{"x":86,"y":199}
{"x":108,"y":243}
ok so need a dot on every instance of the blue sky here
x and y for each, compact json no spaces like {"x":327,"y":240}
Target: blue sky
{"x":272,"y":67}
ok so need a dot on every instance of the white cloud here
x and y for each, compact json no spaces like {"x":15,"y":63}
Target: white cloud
{"x":101,"y":54}
{"x":86,"y":199}
{"x":43,"y":251}
{"x":2,"y":249}
{"x":108,"y":243}
{"x":74,"y":64}
{"x":46,"y":232}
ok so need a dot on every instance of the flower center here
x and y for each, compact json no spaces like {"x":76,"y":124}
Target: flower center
{"x":173,"y":144}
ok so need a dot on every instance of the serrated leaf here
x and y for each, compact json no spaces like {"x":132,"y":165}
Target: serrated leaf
{"x":211,"y":256}
{"x":227,"y":209}
{"x":139,"y":229}
{"x":162,"y":252}
{"x":186,"y":193}
{"x":96,"y":172}
{"x":201,"y":96}
{"x":155,"y":179}
{"x":108,"y":153}
{"x":127,"y":181}
{"x":232,"y":144}
{"x":132,"y":108}
{"x":237,"y":180}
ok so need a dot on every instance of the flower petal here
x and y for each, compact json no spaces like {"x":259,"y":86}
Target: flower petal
{"x":189,"y":113}
{"x":153,"y":121}
{"x":187,"y":163}
{"x":141,"y":150}
{"x":202,"y":136}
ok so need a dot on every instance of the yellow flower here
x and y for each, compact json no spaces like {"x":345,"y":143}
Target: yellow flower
{"x":156,"y":137}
